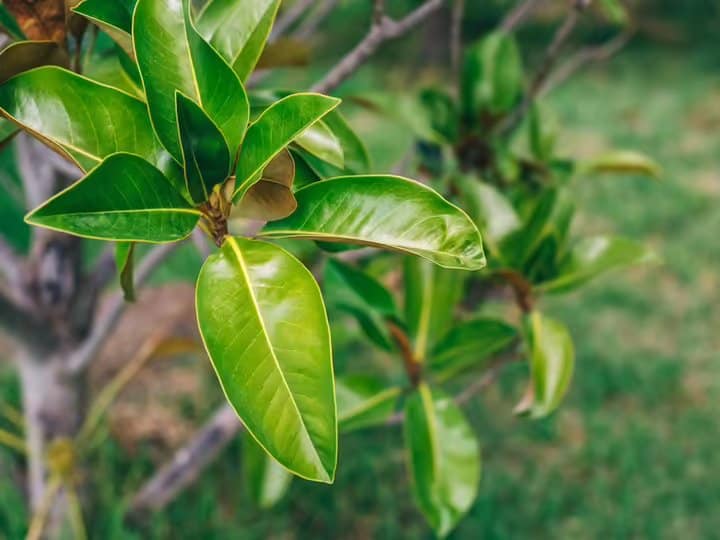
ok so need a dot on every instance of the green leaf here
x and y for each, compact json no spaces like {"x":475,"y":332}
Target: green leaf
{"x":8,"y":22}
{"x":206,"y":158}
{"x":113,"y":16}
{"x":124,"y":199}
{"x":267,"y":481}
{"x":271,"y":197}
{"x":622,"y":162}
{"x":25,"y":55}
{"x":8,"y":130}
{"x":492,"y":78}
{"x":384,"y":211}
{"x":431,"y":296}
{"x":321,"y":142}
{"x":594,"y":256}
{"x":542,"y":133}
{"x":238,"y":29}
{"x":444,"y":458}
{"x":274,"y":129}
{"x":172,"y":57}
{"x":469,"y":344}
{"x":264,"y":326}
{"x":490,"y":209}
{"x":443,"y":114}
{"x":85,"y":120}
{"x":357,"y":159}
{"x":615,"y":11}
{"x":364,"y":401}
{"x":518,"y":246}
{"x":116,"y":70}
{"x":124,"y":260}
{"x":552,"y":360}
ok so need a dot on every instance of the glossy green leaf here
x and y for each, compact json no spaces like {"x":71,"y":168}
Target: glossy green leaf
{"x":490,"y":209}
{"x":364,"y":401}
{"x":518,"y":246}
{"x":622,"y":162}
{"x":172,"y":57}
{"x":357,"y":159}
{"x":8,"y":130}
{"x":116,"y":70}
{"x":125,"y":262}
{"x":321,"y":142}
{"x":85,"y":120}
{"x":25,"y":55}
{"x":113,"y":16}
{"x":123,"y":199}
{"x":267,"y":481}
{"x":552,"y":360}
{"x":469,"y":345}
{"x":492,"y":78}
{"x":238,"y":29}
{"x":206,"y":158}
{"x":271,"y":197}
{"x":431,"y":296}
{"x":384,"y":211}
{"x":274,"y":129}
{"x":594,"y":256}
{"x":444,"y":458}
{"x":264,"y":326}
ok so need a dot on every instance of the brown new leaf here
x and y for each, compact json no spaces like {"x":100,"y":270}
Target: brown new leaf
{"x":39,"y":19}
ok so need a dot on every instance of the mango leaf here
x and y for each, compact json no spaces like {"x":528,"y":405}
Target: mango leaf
{"x":443,"y":114}
{"x":206,"y":157}
{"x":274,"y":129}
{"x":469,"y":344}
{"x":363,"y":297}
{"x":39,"y":20}
{"x":124,"y":260}
{"x":84,"y":120}
{"x":552,"y":360}
{"x":271,"y":197}
{"x":264,"y":326}
{"x":267,"y":481}
{"x":594,"y":256}
{"x":116,"y":69}
{"x":622,"y":162}
{"x":304,"y":173}
{"x":357,"y":159}
{"x":114,"y":17}
{"x":8,"y":23}
{"x":364,"y":401}
{"x":124,"y":199}
{"x":518,"y":246}
{"x":238,"y":29}
{"x":321,"y":142}
{"x":25,"y":55}
{"x":444,"y":458}
{"x":492,"y":77}
{"x":431,"y":294}
{"x":383,"y":211}
{"x":8,"y":130}
{"x":172,"y":57}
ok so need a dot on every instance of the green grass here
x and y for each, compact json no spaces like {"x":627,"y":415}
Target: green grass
{"x":633,"y":453}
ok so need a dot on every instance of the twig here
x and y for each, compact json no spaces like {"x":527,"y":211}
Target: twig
{"x":102,"y":330}
{"x":187,"y":463}
{"x":518,"y":14}
{"x":456,"y":21}
{"x":488,"y":378}
{"x":290,"y":17}
{"x":381,"y":31}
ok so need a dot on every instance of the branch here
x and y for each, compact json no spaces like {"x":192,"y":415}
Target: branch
{"x":383,"y":29}
{"x":518,"y":14}
{"x":102,"y":330}
{"x":188,"y":462}
{"x":458,"y":12}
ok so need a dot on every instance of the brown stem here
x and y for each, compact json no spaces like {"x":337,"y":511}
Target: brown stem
{"x":521,"y":287}
{"x":413,"y":368}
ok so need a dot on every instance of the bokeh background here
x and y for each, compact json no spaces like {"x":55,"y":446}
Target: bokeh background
{"x":633,"y":453}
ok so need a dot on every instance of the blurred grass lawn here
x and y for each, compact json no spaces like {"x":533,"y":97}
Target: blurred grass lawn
{"x":634,"y":452}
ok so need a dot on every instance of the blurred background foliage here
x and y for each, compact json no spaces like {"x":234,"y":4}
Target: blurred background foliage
{"x":631,"y":454}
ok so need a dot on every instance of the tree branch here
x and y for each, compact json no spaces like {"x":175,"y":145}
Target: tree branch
{"x":382,"y":30}
{"x":187,"y":463}
{"x":103,"y":328}
{"x":518,"y":14}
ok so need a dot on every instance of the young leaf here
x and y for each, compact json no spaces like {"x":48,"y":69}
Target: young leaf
{"x":321,"y":142}
{"x":443,"y":458}
{"x":271,"y":197}
{"x":267,"y":481}
{"x":114,"y":17}
{"x":552,"y":359}
{"x":384,"y":211}
{"x":25,"y":55}
{"x":469,"y":344}
{"x":622,"y":162}
{"x":124,"y":199}
{"x":264,"y":326}
{"x":83,"y":119}
{"x":238,"y":29}
{"x":274,"y":129}
{"x":206,"y":158}
{"x":124,"y":260}
{"x":172,"y":57}
{"x":431,"y":294}
{"x":594,"y":256}
{"x":364,"y":401}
